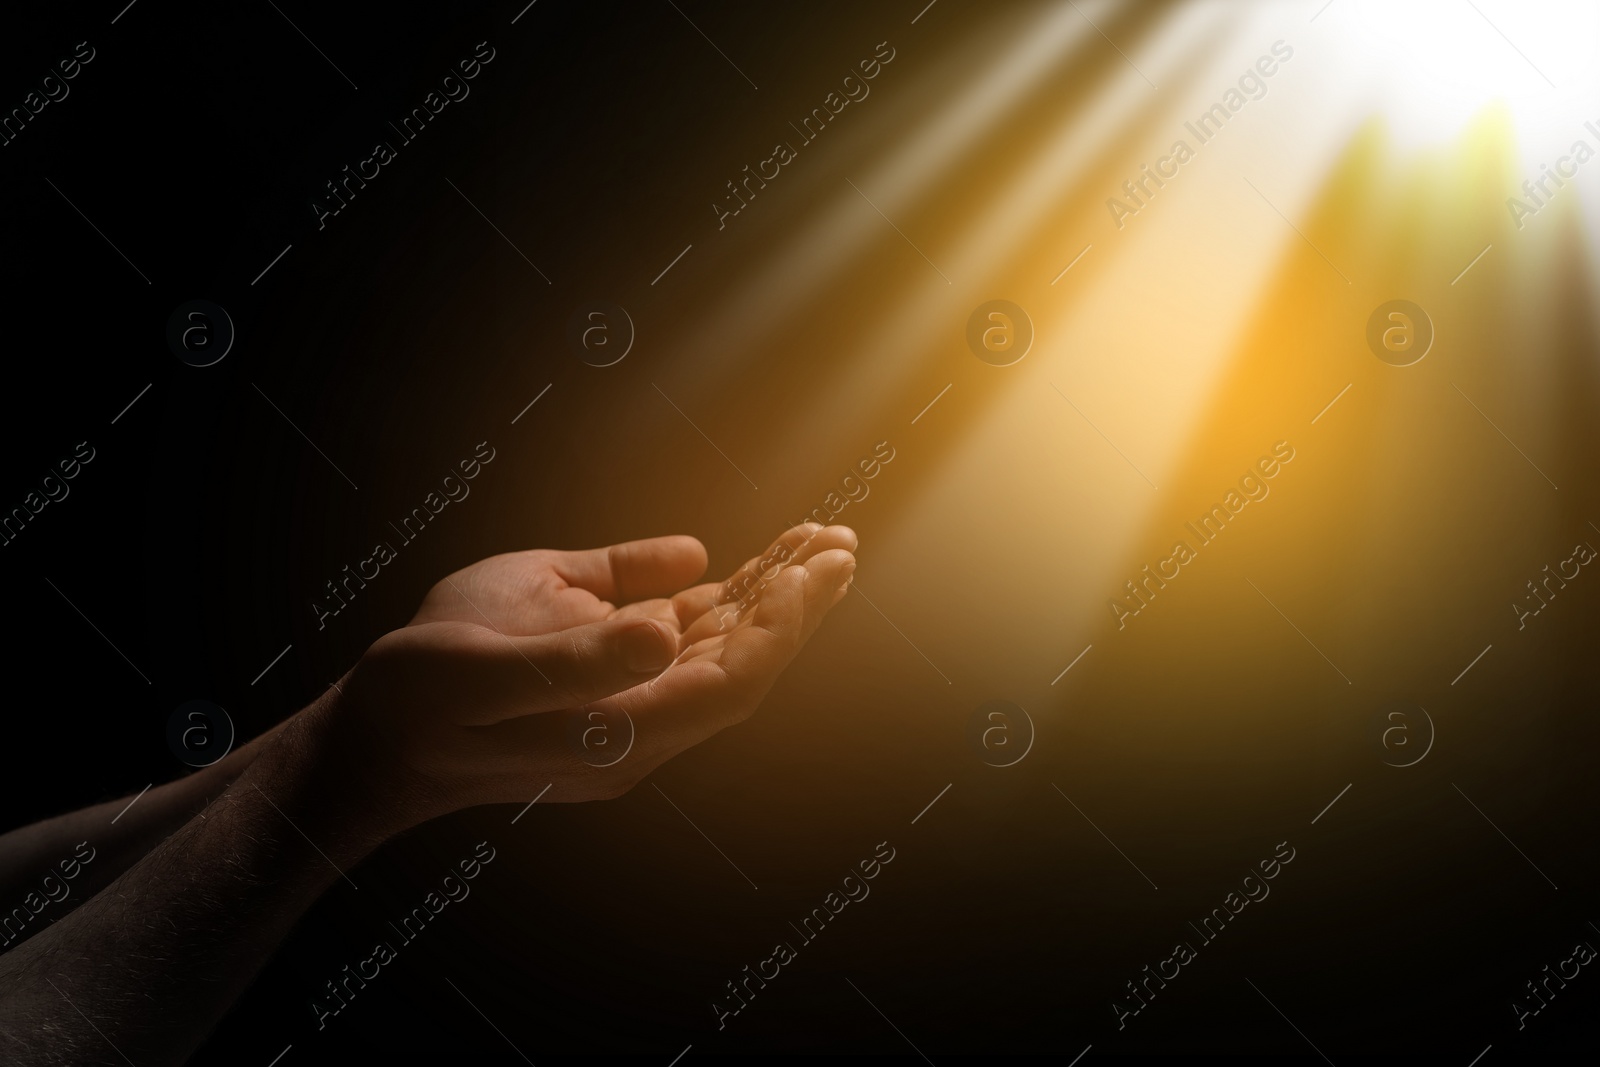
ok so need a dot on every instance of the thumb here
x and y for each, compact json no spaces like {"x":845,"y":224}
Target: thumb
{"x":573,"y":667}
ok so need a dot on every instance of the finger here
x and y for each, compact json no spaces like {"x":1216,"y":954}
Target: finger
{"x":715,"y":602}
{"x":692,"y":701}
{"x":634,"y":570}
{"x":655,"y":608}
{"x":516,"y":676}
{"x":696,"y":699}
{"x":828,"y":537}
{"x":727,"y":605}
{"x":752,"y":657}
{"x":692,"y":603}
{"x":695,"y":601}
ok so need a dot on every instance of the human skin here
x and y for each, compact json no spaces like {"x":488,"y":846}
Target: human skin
{"x":468,"y":704}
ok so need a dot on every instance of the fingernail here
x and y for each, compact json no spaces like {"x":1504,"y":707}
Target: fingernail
{"x":645,"y":648}
{"x":846,"y":574}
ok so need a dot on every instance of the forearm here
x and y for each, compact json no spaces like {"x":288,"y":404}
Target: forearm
{"x":443,"y":714}
{"x":147,"y":967}
{"x":42,"y":864}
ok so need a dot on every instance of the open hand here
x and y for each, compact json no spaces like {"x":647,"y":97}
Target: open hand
{"x":512,"y":665}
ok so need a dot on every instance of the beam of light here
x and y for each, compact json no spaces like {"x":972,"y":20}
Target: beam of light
{"x":1217,"y":320}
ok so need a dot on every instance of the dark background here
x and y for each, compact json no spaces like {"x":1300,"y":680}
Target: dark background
{"x":406,"y":332}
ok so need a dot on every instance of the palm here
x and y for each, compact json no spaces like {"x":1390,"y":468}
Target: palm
{"x":726,"y":661}
{"x":519,"y":649}
{"x":526,"y":594}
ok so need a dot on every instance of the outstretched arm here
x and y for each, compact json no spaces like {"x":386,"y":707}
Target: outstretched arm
{"x":60,"y":862}
{"x":469,"y":704}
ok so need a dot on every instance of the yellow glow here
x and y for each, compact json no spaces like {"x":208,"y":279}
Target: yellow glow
{"x":1196,"y":332}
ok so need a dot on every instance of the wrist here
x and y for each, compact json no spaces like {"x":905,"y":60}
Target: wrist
{"x":336,"y":758}
{"x":317,"y":779}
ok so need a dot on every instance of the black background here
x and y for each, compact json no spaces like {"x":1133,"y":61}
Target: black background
{"x":407,"y":331}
